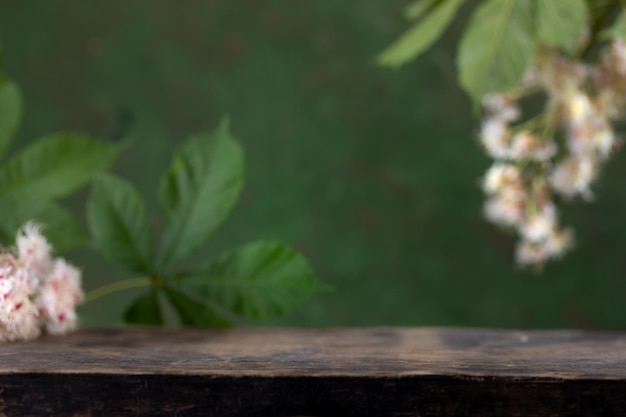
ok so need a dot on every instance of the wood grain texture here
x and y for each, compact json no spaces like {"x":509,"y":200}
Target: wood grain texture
{"x":310,"y":372}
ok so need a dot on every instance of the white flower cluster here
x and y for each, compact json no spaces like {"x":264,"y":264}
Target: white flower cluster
{"x":557,"y":153}
{"x":37,"y":291}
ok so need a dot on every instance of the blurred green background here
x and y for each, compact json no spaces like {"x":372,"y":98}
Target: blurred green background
{"x":371,"y":173}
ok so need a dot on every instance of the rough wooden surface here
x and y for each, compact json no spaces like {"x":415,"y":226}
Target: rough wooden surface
{"x":298,"y":372}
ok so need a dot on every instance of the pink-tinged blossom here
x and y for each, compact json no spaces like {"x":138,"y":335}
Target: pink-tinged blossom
{"x":596,"y":141}
{"x":539,"y":225}
{"x":501,"y":107}
{"x":558,"y":152}
{"x":530,"y":254}
{"x":502,"y":177}
{"x":33,"y":252}
{"x":19,"y":318}
{"x":559,"y":242}
{"x":494,"y":135}
{"x":553,"y":246}
{"x":604,"y":141}
{"x":36,"y":291}
{"x":560,"y":77}
{"x":59,"y":296}
{"x":574,"y":176}
{"x":580,"y":141}
{"x":6,"y":283}
{"x":579,"y":109}
{"x":505,"y":210}
{"x":527,"y":145}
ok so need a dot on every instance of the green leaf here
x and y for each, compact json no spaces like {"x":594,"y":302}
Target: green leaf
{"x":418,"y":8}
{"x":256,"y":281}
{"x":421,"y":36}
{"x":144,"y":309}
{"x":198,"y":191}
{"x":54,"y":166}
{"x":618,"y":30}
{"x":497,"y":47}
{"x":119,"y":223}
{"x":560,"y":22}
{"x":59,"y":226}
{"x":192,"y":312}
{"x":10,"y":113}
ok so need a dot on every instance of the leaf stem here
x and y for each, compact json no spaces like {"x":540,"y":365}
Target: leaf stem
{"x":521,"y":91}
{"x":117,"y":286}
{"x":530,"y":124}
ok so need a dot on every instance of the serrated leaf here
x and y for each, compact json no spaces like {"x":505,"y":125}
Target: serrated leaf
{"x":560,"y":22}
{"x":59,"y":226}
{"x":198,"y":191}
{"x":421,"y":35}
{"x":256,"y":281}
{"x":418,"y":8}
{"x":119,"y":223}
{"x":54,"y":166}
{"x":618,"y":30}
{"x":193,"y":312}
{"x":10,"y":113}
{"x":497,"y":47}
{"x":144,"y":309}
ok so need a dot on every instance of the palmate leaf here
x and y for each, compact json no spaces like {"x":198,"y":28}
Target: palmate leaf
{"x":119,"y":223}
{"x":198,"y":191}
{"x":52,"y":167}
{"x":421,"y":35}
{"x":192,"y":312}
{"x":10,"y":113}
{"x":497,"y":47}
{"x":560,"y":22}
{"x":256,"y":281}
{"x":144,"y":309}
{"x":59,"y":226}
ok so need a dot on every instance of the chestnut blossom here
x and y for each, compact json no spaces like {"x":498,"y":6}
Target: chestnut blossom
{"x":33,"y":254}
{"x":37,"y":292}
{"x":501,"y":107}
{"x":604,"y":140}
{"x":502,"y":177}
{"x":538,"y":226}
{"x":18,"y":315}
{"x":573,"y":176}
{"x":504,"y":210}
{"x":59,"y":296}
{"x":578,"y":109}
{"x":558,"y":76}
{"x":494,"y":135}
{"x":528,"y":254}
{"x":559,"y":242}
{"x":553,"y":246}
{"x":527,"y":145}
{"x":559,"y":153}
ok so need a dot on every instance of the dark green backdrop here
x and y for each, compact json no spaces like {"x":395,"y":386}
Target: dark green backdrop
{"x":372,"y":173}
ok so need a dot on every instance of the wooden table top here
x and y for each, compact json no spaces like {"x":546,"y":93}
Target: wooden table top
{"x":324,"y":352}
{"x":283,"y":372}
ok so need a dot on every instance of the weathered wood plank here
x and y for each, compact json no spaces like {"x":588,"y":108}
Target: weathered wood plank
{"x":308,"y":372}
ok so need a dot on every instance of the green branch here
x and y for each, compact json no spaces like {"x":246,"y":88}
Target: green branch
{"x":118,"y":286}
